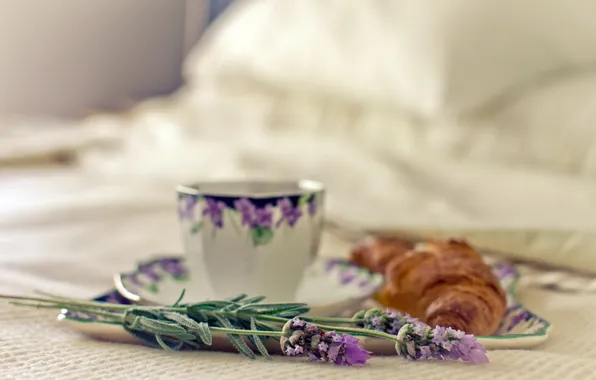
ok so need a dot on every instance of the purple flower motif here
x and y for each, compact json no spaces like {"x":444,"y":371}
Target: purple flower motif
{"x":263,"y":217}
{"x":149,"y":271}
{"x":312,"y":207}
{"x":304,"y":339}
{"x":214,"y":210}
{"x":349,"y":275}
{"x":186,"y":207}
{"x":246,"y":209}
{"x":174,"y":268}
{"x":252,"y":216}
{"x":289,"y":213}
{"x":113,"y":297}
{"x":134,"y":278}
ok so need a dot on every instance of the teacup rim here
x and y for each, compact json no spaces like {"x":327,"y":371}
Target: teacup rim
{"x":303,"y":186}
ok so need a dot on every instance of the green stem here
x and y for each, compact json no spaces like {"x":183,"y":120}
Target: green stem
{"x":114,"y":316}
{"x":68,"y":304}
{"x":357,"y":331}
{"x":246,"y":332}
{"x":348,"y":321}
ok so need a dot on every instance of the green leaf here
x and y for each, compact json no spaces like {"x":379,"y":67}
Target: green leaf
{"x":196,"y":227}
{"x":197,"y":315}
{"x":304,"y":199}
{"x":152,"y":288}
{"x":257,"y":339}
{"x":166,"y":346}
{"x":161,"y":327}
{"x":181,"y":319}
{"x":274,"y":308}
{"x":205,"y":333}
{"x":292,"y":313}
{"x":209,"y":305}
{"x":261,"y":235}
{"x":231,"y":307}
{"x":238,"y":298}
{"x":180,"y":277}
{"x":236,"y":340}
{"x":256,"y":299}
{"x":146,"y":338}
{"x":179,"y":298}
{"x":266,"y":327}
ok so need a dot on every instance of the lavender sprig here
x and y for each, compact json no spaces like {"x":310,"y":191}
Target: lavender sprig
{"x":418,"y":341}
{"x":323,"y":339}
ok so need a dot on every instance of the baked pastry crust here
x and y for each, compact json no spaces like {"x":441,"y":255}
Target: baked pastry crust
{"x":443,"y":283}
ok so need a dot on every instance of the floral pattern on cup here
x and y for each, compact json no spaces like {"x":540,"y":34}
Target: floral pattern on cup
{"x":259,"y":222}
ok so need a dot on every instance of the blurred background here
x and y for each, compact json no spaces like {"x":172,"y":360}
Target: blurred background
{"x":463,"y":115}
{"x":67,"y":59}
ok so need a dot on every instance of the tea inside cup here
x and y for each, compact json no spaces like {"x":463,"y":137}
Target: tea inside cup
{"x":253,"y":237}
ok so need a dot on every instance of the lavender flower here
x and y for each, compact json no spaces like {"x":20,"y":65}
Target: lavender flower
{"x":418,"y":341}
{"x":186,"y":207}
{"x":289,"y":213}
{"x":387,"y":321}
{"x":214,"y":210}
{"x":304,"y":339}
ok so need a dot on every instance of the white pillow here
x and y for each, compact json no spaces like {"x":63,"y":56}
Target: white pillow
{"x":551,"y":127}
{"x":431,"y":57}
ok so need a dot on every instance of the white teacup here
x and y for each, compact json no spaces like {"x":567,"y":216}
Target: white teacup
{"x":253,"y":237}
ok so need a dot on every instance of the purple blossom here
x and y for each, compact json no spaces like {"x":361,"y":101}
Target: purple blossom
{"x":186,"y":207}
{"x":289,"y":213}
{"x":387,"y":321}
{"x":418,"y":341}
{"x":304,"y":339}
{"x":214,"y":210}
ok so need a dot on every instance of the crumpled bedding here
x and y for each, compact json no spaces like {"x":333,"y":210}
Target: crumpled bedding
{"x":252,"y":108}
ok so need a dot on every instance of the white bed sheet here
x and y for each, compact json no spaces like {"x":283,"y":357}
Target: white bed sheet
{"x":66,"y":232}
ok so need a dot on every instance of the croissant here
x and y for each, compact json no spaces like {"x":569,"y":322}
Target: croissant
{"x":443,"y":283}
{"x":385,"y":249}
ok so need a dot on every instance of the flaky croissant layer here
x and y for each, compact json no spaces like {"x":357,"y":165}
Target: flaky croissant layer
{"x":444,"y":283}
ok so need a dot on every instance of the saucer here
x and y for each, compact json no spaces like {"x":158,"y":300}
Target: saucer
{"x":520,"y":328}
{"x":329,"y":286}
